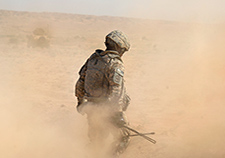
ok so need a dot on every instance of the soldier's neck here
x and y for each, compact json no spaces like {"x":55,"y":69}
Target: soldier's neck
{"x":112,"y":51}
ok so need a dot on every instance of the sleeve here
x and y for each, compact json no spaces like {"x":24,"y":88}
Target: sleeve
{"x":117,"y":89}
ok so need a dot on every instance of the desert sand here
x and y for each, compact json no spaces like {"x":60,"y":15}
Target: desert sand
{"x":174,"y":75}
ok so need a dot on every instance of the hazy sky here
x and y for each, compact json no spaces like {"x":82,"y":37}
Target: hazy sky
{"x":191,"y":10}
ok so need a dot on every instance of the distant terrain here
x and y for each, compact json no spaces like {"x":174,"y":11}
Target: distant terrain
{"x":174,"y":74}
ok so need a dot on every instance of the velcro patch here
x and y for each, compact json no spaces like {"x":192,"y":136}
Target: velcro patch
{"x":120,"y":72}
{"x":118,"y":76}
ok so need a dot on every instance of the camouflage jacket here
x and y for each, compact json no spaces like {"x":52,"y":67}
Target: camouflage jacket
{"x":101,"y":79}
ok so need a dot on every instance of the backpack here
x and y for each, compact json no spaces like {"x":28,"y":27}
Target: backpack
{"x":96,"y":79}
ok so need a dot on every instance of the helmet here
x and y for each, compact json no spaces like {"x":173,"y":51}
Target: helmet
{"x":119,"y":38}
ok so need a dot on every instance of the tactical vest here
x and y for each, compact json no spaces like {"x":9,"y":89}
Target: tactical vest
{"x":96,"y":83}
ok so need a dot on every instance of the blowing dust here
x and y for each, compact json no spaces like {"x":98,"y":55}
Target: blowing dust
{"x":174,"y":75}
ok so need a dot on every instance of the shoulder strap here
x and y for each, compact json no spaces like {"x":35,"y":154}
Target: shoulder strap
{"x":100,"y":53}
{"x":113,"y":56}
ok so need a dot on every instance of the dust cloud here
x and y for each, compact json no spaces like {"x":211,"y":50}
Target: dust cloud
{"x":174,"y":75}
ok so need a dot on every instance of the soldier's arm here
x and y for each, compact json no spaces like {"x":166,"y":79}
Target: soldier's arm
{"x":116,"y":84}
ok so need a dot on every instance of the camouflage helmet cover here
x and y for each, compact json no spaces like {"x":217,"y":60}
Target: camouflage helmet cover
{"x":120,"y":38}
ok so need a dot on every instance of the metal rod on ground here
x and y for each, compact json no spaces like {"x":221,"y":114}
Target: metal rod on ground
{"x":143,"y":134}
{"x":140,"y":134}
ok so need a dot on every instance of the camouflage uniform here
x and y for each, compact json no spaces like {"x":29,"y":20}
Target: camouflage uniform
{"x":101,"y":83}
{"x":101,"y":79}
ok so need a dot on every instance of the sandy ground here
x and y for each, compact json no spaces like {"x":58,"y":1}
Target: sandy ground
{"x":174,"y":74}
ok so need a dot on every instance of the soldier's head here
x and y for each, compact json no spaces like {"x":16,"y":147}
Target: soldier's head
{"x":118,"y":41}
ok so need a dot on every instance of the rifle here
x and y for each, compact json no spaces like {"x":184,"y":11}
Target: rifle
{"x":141,"y":134}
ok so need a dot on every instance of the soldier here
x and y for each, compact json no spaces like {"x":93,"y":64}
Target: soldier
{"x":101,"y":92}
